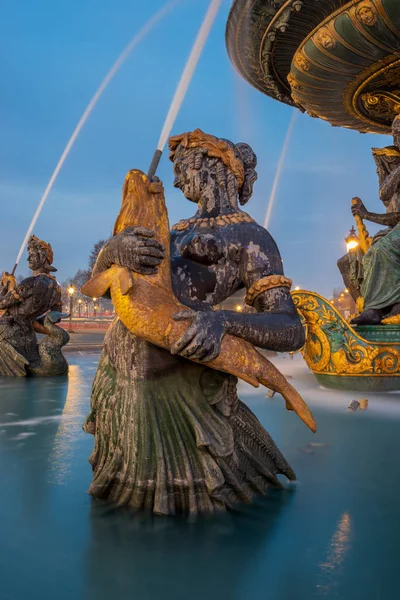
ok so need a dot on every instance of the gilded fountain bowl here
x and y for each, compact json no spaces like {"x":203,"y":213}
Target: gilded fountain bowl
{"x":336,"y":60}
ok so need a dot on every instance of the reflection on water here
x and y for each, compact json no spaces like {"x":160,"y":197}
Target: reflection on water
{"x":66,"y":436}
{"x":310,"y":541}
{"x":336,"y":554}
{"x":174,"y":559}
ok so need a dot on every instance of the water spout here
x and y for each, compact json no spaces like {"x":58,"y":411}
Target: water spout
{"x":104,"y":84}
{"x":279,"y":170}
{"x":184,"y":82}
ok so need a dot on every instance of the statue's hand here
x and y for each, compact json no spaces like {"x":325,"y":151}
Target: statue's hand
{"x":358,"y":208}
{"x":202,"y":340}
{"x":136,"y":249}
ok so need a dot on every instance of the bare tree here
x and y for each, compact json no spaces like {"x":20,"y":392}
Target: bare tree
{"x":95,"y":252}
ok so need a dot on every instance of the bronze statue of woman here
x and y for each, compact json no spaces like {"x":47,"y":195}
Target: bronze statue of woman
{"x":381,"y":264}
{"x":171,"y":435}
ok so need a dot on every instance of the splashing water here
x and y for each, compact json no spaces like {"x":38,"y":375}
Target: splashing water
{"x":279,"y":169}
{"x":104,"y":84}
{"x":185,"y":80}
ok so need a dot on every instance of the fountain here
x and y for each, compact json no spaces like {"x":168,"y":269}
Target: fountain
{"x":57,"y":543}
{"x":137,"y":38}
{"x":339,"y":61}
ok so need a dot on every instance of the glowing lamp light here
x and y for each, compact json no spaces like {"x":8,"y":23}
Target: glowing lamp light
{"x":71,"y":291}
{"x":239,"y":308}
{"x":352,"y":240}
{"x":297,"y":288}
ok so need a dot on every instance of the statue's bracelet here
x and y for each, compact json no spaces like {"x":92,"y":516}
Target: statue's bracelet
{"x":265,"y":284}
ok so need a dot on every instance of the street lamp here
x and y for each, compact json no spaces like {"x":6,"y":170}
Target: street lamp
{"x":79,"y":307}
{"x":71,"y":292}
{"x":352,"y":240}
{"x":94,"y":306}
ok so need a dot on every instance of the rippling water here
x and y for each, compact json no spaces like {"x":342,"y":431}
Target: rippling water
{"x":334,"y":534}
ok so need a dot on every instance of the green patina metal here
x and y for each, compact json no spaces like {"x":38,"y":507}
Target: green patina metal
{"x":380,"y":333}
{"x":323,"y":57}
{"x":346,"y":357}
{"x":359,"y":384}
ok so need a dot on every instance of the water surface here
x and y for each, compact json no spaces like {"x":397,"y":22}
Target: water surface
{"x":334,"y":535}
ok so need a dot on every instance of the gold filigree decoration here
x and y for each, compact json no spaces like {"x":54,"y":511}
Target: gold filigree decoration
{"x":301,"y":62}
{"x":366,"y":13}
{"x":333,"y":347}
{"x":265,"y":284}
{"x":379,"y":76}
{"x":382,"y":104}
{"x":325,"y":38}
{"x":215,"y":148}
{"x":221,"y":221}
{"x":294,"y":84}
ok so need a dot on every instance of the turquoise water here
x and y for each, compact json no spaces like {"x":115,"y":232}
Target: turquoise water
{"x":334,"y":535}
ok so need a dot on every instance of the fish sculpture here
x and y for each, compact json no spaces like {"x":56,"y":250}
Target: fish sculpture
{"x":146,"y":303}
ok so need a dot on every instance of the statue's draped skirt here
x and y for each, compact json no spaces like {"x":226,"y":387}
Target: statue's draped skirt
{"x":381,"y":285}
{"x":171,"y":436}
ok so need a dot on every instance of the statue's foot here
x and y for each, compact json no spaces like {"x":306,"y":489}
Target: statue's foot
{"x":371,"y":316}
{"x":394,"y":311}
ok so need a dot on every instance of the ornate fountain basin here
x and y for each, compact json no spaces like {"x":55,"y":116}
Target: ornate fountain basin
{"x":337,"y":60}
{"x":345,"y":357}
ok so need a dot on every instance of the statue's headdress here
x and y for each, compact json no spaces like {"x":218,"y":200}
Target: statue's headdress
{"x":48,"y":250}
{"x":215,"y":147}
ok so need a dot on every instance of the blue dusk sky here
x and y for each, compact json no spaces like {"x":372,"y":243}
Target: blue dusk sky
{"x":53,"y":57}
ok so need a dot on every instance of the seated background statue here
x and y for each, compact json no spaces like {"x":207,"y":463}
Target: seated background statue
{"x":171,"y":436}
{"x":23,"y":305}
{"x":380,"y":287}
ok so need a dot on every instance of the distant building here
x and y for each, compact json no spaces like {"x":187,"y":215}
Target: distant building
{"x":344,"y":303}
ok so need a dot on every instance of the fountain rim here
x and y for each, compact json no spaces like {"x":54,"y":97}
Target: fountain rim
{"x":265,"y":44}
{"x":241,"y":13}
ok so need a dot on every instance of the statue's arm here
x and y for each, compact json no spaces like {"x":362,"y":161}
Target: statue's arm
{"x":134,"y":248}
{"x":9,"y":299}
{"x":387,"y":219}
{"x":390,"y":186}
{"x":11,"y":294}
{"x":28,"y":295}
{"x":276,"y":326}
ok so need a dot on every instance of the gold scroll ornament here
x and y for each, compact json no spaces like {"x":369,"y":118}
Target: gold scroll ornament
{"x":146,"y":303}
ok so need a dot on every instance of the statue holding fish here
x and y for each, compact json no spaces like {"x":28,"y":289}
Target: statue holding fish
{"x":171,"y":434}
